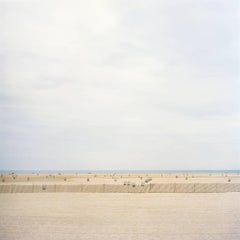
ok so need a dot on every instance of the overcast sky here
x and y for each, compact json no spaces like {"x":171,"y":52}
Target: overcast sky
{"x":124,"y":84}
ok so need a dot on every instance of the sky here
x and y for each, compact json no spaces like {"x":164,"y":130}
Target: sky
{"x":119,"y":85}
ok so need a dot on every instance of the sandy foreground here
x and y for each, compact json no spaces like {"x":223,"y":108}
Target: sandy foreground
{"x":118,"y":216}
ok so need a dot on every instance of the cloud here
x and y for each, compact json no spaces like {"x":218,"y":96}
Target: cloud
{"x":119,"y":85}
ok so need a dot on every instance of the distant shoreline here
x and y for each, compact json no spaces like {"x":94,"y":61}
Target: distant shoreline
{"x":118,"y":171}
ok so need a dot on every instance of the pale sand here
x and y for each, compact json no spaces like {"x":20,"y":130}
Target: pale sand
{"x":100,"y":216}
{"x":118,"y":179}
{"x":120,"y":183}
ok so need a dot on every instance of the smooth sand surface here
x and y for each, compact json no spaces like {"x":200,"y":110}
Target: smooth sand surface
{"x":120,"y":216}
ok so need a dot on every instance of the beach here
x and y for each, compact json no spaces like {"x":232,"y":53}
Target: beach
{"x":120,"y":216}
{"x":119,"y":120}
{"x":120,"y":183}
{"x":58,"y":208}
